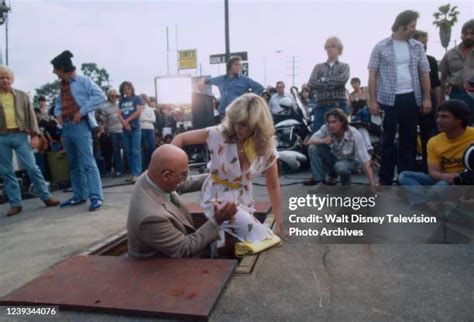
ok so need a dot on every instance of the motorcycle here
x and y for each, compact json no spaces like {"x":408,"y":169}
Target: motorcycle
{"x":292,"y":129}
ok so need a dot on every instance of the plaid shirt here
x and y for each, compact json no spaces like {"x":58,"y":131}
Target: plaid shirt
{"x":329,"y":83}
{"x":383,"y":61}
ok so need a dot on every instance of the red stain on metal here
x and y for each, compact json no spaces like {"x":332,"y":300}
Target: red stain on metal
{"x":177,"y":291}
{"x":171,"y":288}
{"x":205,"y":271}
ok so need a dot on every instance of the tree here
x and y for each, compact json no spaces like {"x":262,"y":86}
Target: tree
{"x":99,"y":75}
{"x":445,"y":18}
{"x":49,"y":90}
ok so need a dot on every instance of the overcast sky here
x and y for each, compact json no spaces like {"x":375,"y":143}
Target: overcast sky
{"x":128,"y":38}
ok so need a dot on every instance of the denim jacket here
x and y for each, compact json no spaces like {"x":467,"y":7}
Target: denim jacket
{"x":87,"y":95}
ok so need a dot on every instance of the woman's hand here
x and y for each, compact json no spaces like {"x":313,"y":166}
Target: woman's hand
{"x":281,"y":231}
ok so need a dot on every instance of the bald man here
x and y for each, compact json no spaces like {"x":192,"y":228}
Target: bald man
{"x":17,"y":123}
{"x":158,"y":224}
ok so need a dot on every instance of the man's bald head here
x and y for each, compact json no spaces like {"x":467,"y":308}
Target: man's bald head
{"x":167,"y":165}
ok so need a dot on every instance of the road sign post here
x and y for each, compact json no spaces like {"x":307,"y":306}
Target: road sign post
{"x":221,"y":58}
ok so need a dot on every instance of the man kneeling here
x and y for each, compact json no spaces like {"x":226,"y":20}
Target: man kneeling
{"x":158,"y":224}
{"x":336,"y":149}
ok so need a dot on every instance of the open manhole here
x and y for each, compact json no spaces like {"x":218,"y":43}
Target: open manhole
{"x":116,"y":245}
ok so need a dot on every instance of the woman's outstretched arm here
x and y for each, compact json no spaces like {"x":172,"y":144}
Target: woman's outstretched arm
{"x":190,"y":138}
{"x":273,"y":188}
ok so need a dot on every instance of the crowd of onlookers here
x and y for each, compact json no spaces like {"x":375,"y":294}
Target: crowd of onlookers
{"x":423,"y":103}
{"x":158,"y":125}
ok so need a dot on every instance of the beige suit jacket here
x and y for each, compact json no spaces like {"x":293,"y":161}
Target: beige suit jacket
{"x":158,"y":228}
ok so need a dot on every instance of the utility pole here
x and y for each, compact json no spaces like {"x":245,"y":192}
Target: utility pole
{"x":177,"y":50}
{"x":227,"y":40}
{"x":167,"y":52}
{"x":293,"y":65}
{"x":4,"y":9}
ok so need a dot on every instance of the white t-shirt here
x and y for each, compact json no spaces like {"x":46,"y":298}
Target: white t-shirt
{"x":147,"y":118}
{"x":402,"y":57}
{"x":274,"y":103}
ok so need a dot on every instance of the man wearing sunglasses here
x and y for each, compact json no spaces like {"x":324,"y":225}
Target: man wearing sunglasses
{"x":158,"y":224}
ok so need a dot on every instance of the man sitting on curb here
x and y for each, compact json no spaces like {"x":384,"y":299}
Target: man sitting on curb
{"x":158,"y":224}
{"x":336,"y":149}
{"x":445,"y":155}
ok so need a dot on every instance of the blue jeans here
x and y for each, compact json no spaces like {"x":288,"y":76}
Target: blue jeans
{"x":131,"y":147}
{"x":116,"y":147}
{"x":24,"y":153}
{"x":320,"y":110}
{"x":85,"y":177}
{"x":404,"y":117}
{"x":463,"y":96}
{"x":323,"y":161}
{"x":148,"y":146}
{"x":412,"y":182}
{"x":41,"y":162}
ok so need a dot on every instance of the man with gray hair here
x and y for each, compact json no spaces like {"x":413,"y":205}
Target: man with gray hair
{"x":114,"y":128}
{"x":278,"y":112}
{"x":17,"y":122}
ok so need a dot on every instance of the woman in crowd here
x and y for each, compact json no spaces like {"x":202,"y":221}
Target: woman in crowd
{"x":147,"y":125}
{"x":241,"y":148}
{"x":305,"y":97}
{"x":130,"y":108}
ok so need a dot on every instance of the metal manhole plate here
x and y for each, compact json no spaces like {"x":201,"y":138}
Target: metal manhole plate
{"x":173,"y":288}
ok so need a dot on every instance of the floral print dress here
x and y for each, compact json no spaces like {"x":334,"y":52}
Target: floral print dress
{"x":227,"y":183}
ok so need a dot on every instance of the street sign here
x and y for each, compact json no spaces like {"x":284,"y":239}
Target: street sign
{"x":187,"y":59}
{"x":220,"y":58}
{"x":245,"y":69}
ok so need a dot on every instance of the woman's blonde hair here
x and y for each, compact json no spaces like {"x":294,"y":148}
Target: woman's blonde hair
{"x":253,"y":110}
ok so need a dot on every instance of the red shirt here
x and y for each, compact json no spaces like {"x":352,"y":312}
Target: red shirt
{"x":69,"y":106}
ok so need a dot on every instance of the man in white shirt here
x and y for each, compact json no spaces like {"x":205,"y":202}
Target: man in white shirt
{"x":399,"y":84}
{"x":275,"y":108}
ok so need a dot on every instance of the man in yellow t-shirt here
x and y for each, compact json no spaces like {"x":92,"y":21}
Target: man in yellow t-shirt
{"x":445,"y":155}
{"x":6,"y":99}
{"x":17,"y":122}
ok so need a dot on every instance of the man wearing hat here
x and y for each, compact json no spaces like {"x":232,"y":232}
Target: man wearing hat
{"x":17,"y":122}
{"x":79,"y":98}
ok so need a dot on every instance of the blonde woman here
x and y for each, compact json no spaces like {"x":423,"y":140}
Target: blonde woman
{"x":241,"y":148}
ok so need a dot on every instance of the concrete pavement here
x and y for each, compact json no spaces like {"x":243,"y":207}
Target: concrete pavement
{"x":304,"y":280}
